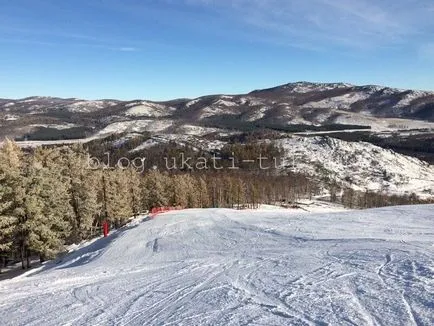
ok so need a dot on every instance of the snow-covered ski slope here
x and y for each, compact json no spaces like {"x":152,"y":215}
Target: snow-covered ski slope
{"x":226,"y":267}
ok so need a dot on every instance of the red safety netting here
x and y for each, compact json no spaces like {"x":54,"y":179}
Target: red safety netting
{"x":158,"y":210}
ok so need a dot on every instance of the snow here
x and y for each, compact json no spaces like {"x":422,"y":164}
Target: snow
{"x":225,"y":101}
{"x":227,"y":267}
{"x":251,"y":101}
{"x":225,"y":105}
{"x":257,"y":114}
{"x":54,"y":126}
{"x":192,"y":102}
{"x":213,"y":110}
{"x":382,"y":124}
{"x":38,"y":143}
{"x":384,"y":90}
{"x":339,"y":102}
{"x":410,"y":97}
{"x":36,"y":109}
{"x":150,"y":110}
{"x":89,"y":106}
{"x":359,"y":165}
{"x":374,"y":88}
{"x":227,"y":97}
{"x":182,"y":140}
{"x":307,"y":205}
{"x":136,"y":126}
{"x":305,"y":87}
{"x":196,"y":130}
{"x":145,"y":145}
{"x":29,"y":100}
{"x":10,"y":117}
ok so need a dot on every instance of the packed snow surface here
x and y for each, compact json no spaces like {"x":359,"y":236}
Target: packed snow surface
{"x":227,"y":267}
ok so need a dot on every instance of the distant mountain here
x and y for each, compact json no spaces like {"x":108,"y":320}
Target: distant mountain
{"x":396,"y":120}
{"x":291,"y":107}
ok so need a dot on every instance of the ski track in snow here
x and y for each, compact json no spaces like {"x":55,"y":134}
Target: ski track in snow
{"x":226,"y":267}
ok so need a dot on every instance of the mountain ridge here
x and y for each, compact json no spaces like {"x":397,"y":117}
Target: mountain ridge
{"x":378,"y":86}
{"x":281,"y":107}
{"x":290,"y":114}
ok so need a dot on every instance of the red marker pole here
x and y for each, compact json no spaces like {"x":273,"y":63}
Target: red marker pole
{"x":105,"y":228}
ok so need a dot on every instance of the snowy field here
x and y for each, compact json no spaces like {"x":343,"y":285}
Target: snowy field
{"x":226,"y":267}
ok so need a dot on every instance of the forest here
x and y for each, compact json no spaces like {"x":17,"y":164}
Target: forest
{"x":51,"y":198}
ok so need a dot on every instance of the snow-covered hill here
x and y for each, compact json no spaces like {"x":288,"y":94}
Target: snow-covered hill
{"x":226,"y":267}
{"x":295,"y":108}
{"x":359,"y":165}
{"x":310,"y":104}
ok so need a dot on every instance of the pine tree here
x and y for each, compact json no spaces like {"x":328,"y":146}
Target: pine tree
{"x":43,"y":219}
{"x":136,"y":191}
{"x":8,"y":221}
{"x":156,"y":186}
{"x":82,"y":191}
{"x":179,"y":191}
{"x":118,"y":197}
{"x":240,"y":192}
{"x":254,"y":195}
{"x":13,"y":195}
{"x":203,"y":193}
{"x":143,"y":193}
{"x":52,"y":191}
{"x":193,"y":191}
{"x":229,"y":192}
{"x":10,"y":157}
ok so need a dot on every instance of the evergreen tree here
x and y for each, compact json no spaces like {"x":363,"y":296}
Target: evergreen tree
{"x":10,"y":157}
{"x":136,"y":191}
{"x":13,"y":213}
{"x":52,"y":188}
{"x":118,"y":197}
{"x":143,"y":193}
{"x":203,"y":193}
{"x":193,"y":191}
{"x":156,"y":186}
{"x":179,"y":191}
{"x":44,"y":211}
{"x":82,"y":191}
{"x":240,"y":192}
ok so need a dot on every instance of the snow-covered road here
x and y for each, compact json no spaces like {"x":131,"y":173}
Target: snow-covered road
{"x":226,"y":267}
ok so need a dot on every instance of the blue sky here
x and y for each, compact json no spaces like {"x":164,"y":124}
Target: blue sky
{"x":166,"y":49}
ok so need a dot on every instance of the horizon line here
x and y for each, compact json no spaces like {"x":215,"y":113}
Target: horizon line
{"x":215,"y":94}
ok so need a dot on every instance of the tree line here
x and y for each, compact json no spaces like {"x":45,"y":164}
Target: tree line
{"x":351,"y":198}
{"x":50,"y":197}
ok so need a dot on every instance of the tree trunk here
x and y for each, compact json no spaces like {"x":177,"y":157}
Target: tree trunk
{"x":75,"y":208}
{"x":28,"y":258}
{"x":104,"y":192}
{"x":3,"y":263}
{"x":22,"y":256}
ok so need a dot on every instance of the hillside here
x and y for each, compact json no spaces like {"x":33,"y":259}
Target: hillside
{"x":292,"y":107}
{"x":359,"y":165}
{"x":396,"y":127}
{"x":227,"y":267}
